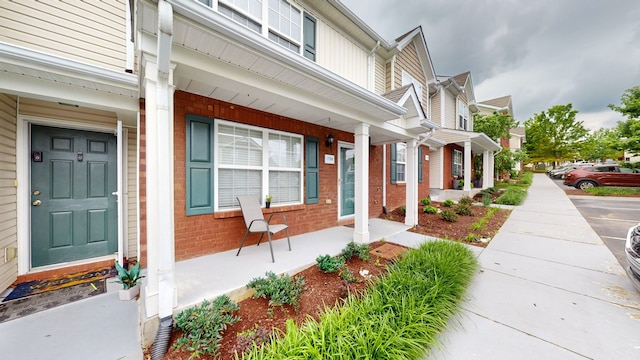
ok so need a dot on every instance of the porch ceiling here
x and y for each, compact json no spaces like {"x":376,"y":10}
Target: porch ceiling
{"x":479,"y":141}
{"x":217,"y":58}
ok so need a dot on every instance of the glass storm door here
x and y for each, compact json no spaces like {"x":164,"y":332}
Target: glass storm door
{"x":347,"y":180}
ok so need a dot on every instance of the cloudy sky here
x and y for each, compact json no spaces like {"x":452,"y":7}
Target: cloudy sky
{"x":541,"y":52}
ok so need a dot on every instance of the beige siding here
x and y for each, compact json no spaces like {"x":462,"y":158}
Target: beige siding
{"x":387,"y":80}
{"x":333,"y":47}
{"x":88,"y":31}
{"x":435,"y":109}
{"x":450,"y":111}
{"x":51,"y":110}
{"x":381,"y":77}
{"x":435,"y":175}
{"x":409,"y":61}
{"x":132,"y":195}
{"x":8,"y":201}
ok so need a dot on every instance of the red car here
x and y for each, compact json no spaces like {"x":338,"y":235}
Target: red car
{"x":602,"y":175}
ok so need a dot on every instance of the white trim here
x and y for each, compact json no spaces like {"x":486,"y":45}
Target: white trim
{"x":23,"y":170}
{"x":351,"y":146}
{"x":119,"y":193}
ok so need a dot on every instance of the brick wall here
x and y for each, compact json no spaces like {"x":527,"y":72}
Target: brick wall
{"x":396,"y":193}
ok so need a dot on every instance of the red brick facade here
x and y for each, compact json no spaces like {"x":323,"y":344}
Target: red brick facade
{"x":210,"y":233}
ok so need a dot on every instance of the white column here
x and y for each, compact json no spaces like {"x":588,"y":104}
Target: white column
{"x":411,"y":197}
{"x":486,"y":175}
{"x":491,"y":169}
{"x":361,"y":226}
{"x":467,"y":166}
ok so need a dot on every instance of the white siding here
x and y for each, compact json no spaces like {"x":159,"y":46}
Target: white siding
{"x":132,"y":196}
{"x":435,"y":175}
{"x":89,"y":31}
{"x":332,"y":50}
{"x":450,"y":111}
{"x":8,"y":200}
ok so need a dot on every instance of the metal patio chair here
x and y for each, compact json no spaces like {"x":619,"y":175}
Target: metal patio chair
{"x":255,"y":222}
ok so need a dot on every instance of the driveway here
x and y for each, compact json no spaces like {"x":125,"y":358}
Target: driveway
{"x":610,"y":217}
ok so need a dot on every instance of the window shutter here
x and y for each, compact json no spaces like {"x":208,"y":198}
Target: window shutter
{"x":420,"y":164}
{"x":199,"y":165}
{"x":394,"y":165}
{"x":453,"y":162}
{"x":309,"y":32}
{"x":313,"y":170}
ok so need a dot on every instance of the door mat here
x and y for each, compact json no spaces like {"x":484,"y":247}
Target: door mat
{"x":58,"y":282}
{"x":14,"y":309}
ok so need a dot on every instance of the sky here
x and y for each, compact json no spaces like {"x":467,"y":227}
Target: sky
{"x":541,"y":52}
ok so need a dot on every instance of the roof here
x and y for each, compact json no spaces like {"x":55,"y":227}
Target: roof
{"x":519,"y":131}
{"x":500,"y":102}
{"x":395,"y":95}
{"x":461,"y":79}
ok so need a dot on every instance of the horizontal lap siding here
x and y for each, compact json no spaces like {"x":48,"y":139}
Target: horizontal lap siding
{"x":381,"y":77}
{"x":8,"y":200}
{"x":88,"y":31}
{"x":51,"y":110}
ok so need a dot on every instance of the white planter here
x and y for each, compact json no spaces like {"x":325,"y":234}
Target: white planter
{"x":130,"y":293}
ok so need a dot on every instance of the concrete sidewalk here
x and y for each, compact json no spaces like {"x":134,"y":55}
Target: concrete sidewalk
{"x":548,"y":288}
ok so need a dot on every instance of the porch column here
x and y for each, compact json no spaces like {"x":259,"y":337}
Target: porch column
{"x":486,"y":175}
{"x":467,"y":166}
{"x":492,"y":168}
{"x":411,"y":197}
{"x":361,"y":226}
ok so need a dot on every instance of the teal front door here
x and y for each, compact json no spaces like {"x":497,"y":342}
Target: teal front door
{"x":347,"y":180}
{"x":73,"y":211}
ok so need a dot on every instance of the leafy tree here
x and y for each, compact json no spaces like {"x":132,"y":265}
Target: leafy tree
{"x":629,"y":130}
{"x":602,"y":144}
{"x":495,"y":126}
{"x":555,"y":134}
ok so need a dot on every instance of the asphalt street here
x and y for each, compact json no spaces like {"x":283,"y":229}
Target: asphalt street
{"x":610,"y":217}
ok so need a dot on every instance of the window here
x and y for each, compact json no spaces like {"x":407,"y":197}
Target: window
{"x":285,"y":24}
{"x":401,"y":162}
{"x":456,"y":167}
{"x":248,"y":161}
{"x":463,"y":116}
{"x":408,"y":79}
{"x":241,"y":18}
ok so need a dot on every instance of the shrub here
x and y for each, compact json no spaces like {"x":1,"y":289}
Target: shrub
{"x":425,"y":201}
{"x":512,"y":196}
{"x":527,"y":178}
{"x":463,"y":209}
{"x":248,"y":339}
{"x":201,"y":325}
{"x":328,"y":264}
{"x":486,"y":199}
{"x":448,"y":203}
{"x":403,"y":210}
{"x":353,"y":249}
{"x":449,"y":215}
{"x":280,"y":290}
{"x":430,"y":210}
{"x":347,"y":275}
{"x":466,"y":201}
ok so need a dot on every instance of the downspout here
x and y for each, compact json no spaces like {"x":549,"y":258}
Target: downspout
{"x":166,"y":257}
{"x":384,"y":179}
{"x":392,"y":86}
{"x":129,"y":38}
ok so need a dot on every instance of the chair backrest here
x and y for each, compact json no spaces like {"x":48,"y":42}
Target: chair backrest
{"x":250,"y":206}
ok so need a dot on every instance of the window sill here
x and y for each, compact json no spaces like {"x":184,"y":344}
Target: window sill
{"x":271,"y":210}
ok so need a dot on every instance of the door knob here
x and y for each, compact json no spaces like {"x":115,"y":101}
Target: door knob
{"x":37,"y":203}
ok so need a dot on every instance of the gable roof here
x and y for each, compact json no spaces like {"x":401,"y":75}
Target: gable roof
{"x":416,"y":36}
{"x":498,"y":104}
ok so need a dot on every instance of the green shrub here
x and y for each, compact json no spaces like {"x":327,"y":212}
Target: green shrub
{"x":352,"y":249}
{"x":430,"y":210}
{"x":403,"y":210}
{"x":347,"y":275}
{"x":512,"y":196}
{"x":448,"y":203}
{"x":254,"y":337}
{"x":425,"y":201}
{"x":449,"y":215}
{"x":526,"y":177}
{"x":465,"y":201}
{"x":201,"y":326}
{"x":463,"y":209}
{"x":280,"y":290}
{"x":486,"y":199}
{"x":329,"y":264}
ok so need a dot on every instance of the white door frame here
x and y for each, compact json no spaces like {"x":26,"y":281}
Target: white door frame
{"x":346,"y":145}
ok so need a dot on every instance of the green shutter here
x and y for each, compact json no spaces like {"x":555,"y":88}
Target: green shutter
{"x":313,"y":170}
{"x":394,"y":167}
{"x":309,"y":34}
{"x":199,"y":165}
{"x":420,"y":164}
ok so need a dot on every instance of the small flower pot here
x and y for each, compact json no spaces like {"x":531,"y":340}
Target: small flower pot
{"x":267,"y":204}
{"x":130,"y":293}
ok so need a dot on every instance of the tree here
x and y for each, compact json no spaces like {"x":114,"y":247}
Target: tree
{"x":629,"y":130}
{"x":495,"y":126}
{"x":554,"y":135}
{"x":602,"y":144}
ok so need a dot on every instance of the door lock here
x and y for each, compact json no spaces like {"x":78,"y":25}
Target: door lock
{"x":37,"y":203}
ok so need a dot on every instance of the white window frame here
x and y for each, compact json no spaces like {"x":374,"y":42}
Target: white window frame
{"x":408,"y":79}
{"x":241,"y":16}
{"x":456,"y":169}
{"x":282,"y":38}
{"x":463,"y":116}
{"x":401,"y":149}
{"x":266,"y":168}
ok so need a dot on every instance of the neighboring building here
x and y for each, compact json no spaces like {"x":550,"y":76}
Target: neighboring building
{"x":453,"y":105}
{"x":504,"y":105}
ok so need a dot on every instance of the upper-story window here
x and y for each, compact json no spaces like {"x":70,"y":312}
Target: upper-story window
{"x":285,"y":24}
{"x":240,"y":17}
{"x":408,"y":79}
{"x":463,"y":116}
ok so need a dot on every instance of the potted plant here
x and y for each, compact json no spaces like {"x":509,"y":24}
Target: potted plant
{"x":268,"y":201}
{"x":455,"y":183}
{"x":129,"y":280}
{"x":478,"y":180}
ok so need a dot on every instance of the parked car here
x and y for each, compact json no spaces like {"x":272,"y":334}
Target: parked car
{"x":602,"y":175}
{"x":561,"y":171}
{"x":632,"y":250}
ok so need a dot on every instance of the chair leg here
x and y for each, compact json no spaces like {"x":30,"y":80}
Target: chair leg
{"x":288,"y":241}
{"x":260,"y":240}
{"x":242,"y":243}
{"x":270,"y":247}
